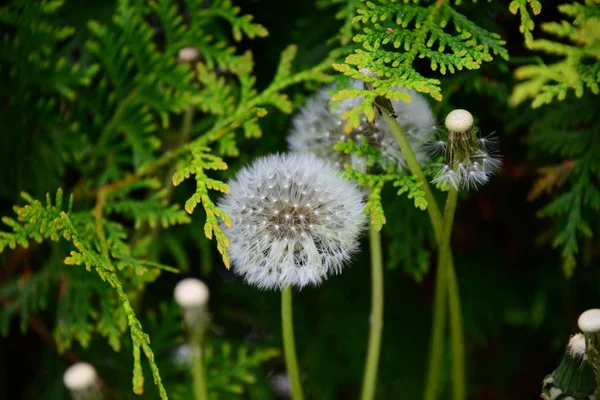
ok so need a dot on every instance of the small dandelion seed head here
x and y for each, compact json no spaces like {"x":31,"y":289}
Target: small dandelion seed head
{"x":577,"y":345}
{"x":80,"y":376}
{"x":191,"y":292}
{"x":589,"y":321}
{"x":304,"y":240}
{"x":188,"y":54}
{"x":459,"y":121}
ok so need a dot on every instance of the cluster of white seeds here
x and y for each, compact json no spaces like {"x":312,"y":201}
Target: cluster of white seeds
{"x":295,"y":221}
{"x":316,"y":129}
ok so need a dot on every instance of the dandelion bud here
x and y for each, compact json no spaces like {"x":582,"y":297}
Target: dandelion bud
{"x":295,"y":221}
{"x":192,"y":296}
{"x":188,"y":54}
{"x":469,"y":160}
{"x":82,"y":381}
{"x":574,"y":379}
{"x":316,"y":129}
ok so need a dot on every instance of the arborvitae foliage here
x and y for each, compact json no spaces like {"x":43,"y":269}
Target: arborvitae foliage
{"x":569,"y":132}
{"x":527,"y":25}
{"x":578,"y":50}
{"x":568,"y":128}
{"x":396,"y":35}
{"x":110,"y":109}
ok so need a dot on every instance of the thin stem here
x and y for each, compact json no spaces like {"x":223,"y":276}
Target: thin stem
{"x":437,"y":338}
{"x":446,"y":276}
{"x":433,"y":210}
{"x":376,"y":318}
{"x":198,"y":373}
{"x":289,"y":346}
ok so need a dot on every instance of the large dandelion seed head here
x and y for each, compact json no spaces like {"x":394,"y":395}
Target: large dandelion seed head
{"x":295,"y":221}
{"x":316,"y":129}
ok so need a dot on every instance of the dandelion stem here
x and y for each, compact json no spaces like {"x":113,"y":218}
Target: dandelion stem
{"x":376,"y":318}
{"x":289,"y":346}
{"x":445,"y":264}
{"x":446,"y":277}
{"x":433,"y":210}
{"x":198,"y":373}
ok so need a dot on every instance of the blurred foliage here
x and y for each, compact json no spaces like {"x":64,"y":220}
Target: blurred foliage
{"x":94,"y":100}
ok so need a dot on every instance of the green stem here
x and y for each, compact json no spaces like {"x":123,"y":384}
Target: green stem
{"x":376,"y":317}
{"x":289,"y":346}
{"x":433,"y":210}
{"x":437,"y":338}
{"x":198,"y":374}
{"x":456,"y":331}
{"x":446,"y":277}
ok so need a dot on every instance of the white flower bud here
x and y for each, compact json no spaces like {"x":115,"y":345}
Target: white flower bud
{"x":191,"y":293}
{"x":589,"y":321}
{"x":459,"y":121}
{"x":188,"y":54}
{"x":80,"y":376}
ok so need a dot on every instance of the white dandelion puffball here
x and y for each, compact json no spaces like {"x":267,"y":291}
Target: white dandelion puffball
{"x":191,"y":292}
{"x":80,"y":376}
{"x":316,"y":129}
{"x":295,"y":221}
{"x":589,"y":321}
{"x":459,"y":120}
{"x":577,"y":345}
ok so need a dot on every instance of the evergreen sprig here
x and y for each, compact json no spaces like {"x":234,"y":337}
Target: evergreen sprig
{"x":577,"y":70}
{"x":527,"y":25}
{"x":396,"y":35}
{"x":38,"y":222}
{"x":568,"y":131}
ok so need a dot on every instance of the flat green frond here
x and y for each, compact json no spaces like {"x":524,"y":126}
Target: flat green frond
{"x":577,"y":70}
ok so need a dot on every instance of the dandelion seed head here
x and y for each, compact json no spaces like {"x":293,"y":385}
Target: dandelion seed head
{"x":589,"y":321}
{"x":316,"y":129}
{"x":297,"y":242}
{"x":80,"y":376}
{"x":188,"y":54}
{"x":191,"y":292}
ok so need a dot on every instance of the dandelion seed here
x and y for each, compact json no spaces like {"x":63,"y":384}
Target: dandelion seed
{"x":303,"y":241}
